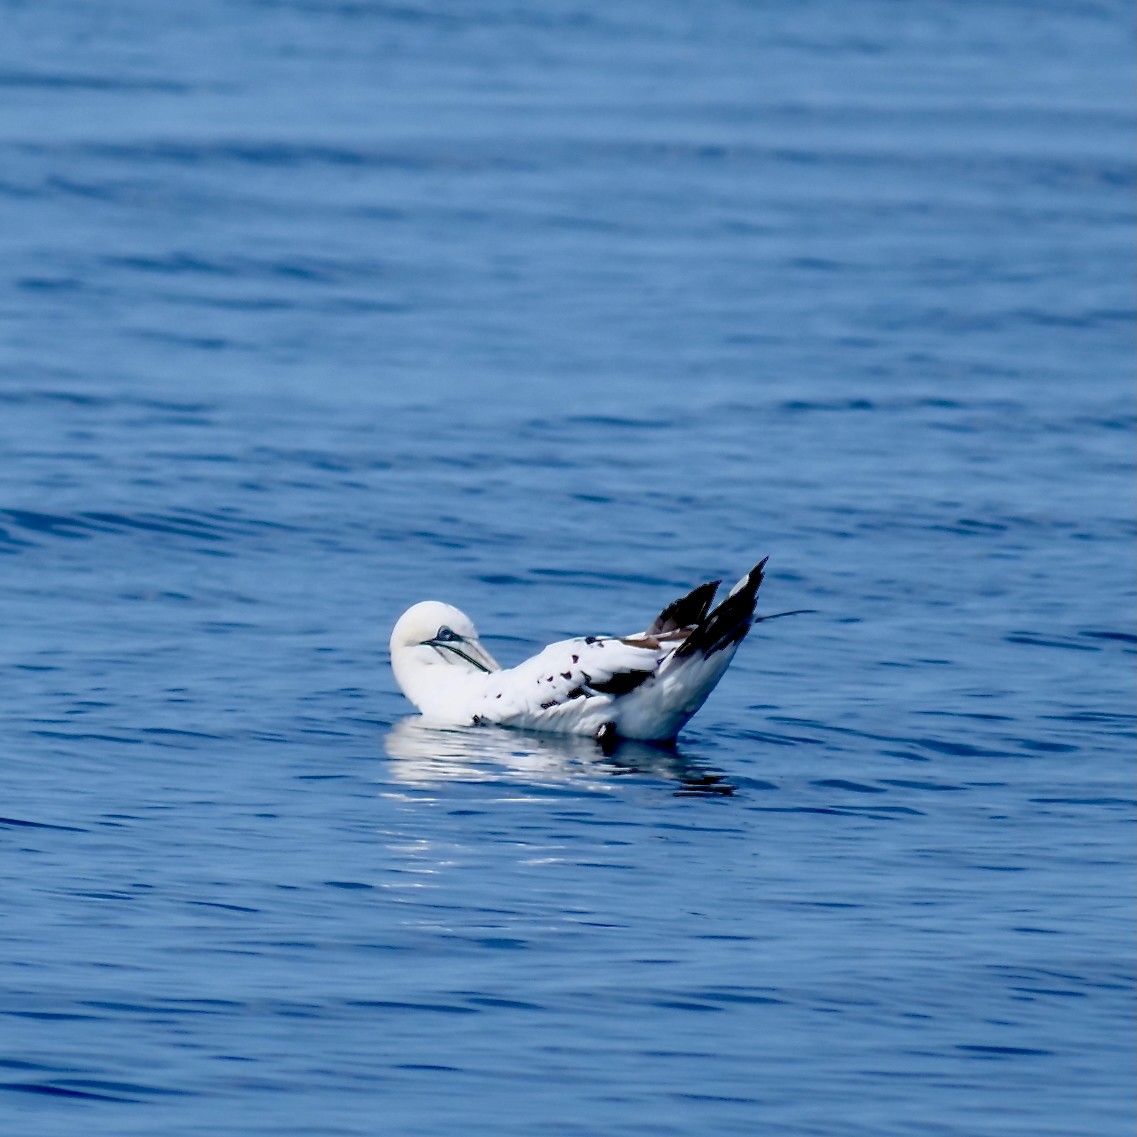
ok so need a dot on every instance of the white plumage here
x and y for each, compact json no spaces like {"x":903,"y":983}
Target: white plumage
{"x":643,"y":686}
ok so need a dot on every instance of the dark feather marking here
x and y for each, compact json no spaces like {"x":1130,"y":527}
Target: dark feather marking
{"x":566,"y":674}
{"x":622,"y":682}
{"x":687,"y":610}
{"x":729,"y":622}
{"x":576,"y":659}
{"x":575,"y":693}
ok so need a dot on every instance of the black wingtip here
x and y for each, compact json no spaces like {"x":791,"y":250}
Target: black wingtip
{"x":687,"y":610}
{"x":730,"y":621}
{"x":755,"y":576}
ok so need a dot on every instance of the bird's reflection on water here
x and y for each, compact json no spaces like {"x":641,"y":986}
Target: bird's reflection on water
{"x":424,"y":755}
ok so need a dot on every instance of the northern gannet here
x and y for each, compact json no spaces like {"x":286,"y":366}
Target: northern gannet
{"x":642,"y":686}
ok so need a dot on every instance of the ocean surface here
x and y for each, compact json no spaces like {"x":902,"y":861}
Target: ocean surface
{"x":310,"y":310}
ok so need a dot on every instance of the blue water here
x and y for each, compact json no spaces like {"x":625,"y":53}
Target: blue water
{"x":552,"y":310}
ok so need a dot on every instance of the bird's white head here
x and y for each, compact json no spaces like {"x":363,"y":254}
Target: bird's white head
{"x":435,"y":651}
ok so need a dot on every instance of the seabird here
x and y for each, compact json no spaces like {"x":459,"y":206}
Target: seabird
{"x":643,"y":686}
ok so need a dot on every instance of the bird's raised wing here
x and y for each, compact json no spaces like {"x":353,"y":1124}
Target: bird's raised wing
{"x":685,"y":612}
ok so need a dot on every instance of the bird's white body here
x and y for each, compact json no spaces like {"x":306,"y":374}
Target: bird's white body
{"x":643,"y":686}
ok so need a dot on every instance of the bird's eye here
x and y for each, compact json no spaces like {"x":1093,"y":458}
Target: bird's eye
{"x":447,"y":635}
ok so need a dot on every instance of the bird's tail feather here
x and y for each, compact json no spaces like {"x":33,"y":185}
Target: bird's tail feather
{"x":730,"y":621}
{"x":686,"y":611}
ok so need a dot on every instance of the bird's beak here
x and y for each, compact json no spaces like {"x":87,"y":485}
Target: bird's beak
{"x":469,"y":650}
{"x":480,"y":656}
